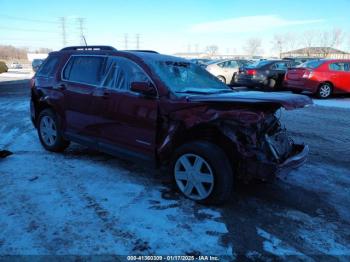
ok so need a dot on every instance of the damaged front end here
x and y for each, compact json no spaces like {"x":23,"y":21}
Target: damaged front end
{"x":254,"y":140}
{"x":264,"y":148}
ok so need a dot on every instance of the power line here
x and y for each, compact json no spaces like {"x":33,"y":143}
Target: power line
{"x":24,"y":29}
{"x":26,"y":19}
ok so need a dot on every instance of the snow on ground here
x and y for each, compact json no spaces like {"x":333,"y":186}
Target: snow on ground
{"x":333,"y":102}
{"x":83,"y":202}
{"x":16,"y":74}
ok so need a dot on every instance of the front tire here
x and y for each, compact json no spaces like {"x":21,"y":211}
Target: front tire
{"x":202,"y":172}
{"x":325,"y":90}
{"x":49,"y":132}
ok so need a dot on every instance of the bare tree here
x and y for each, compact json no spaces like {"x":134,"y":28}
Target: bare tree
{"x":212,"y":50}
{"x":308,"y":40}
{"x":253,"y":46}
{"x":330,"y":39}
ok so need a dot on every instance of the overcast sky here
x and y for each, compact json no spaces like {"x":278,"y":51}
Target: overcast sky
{"x":169,"y":26}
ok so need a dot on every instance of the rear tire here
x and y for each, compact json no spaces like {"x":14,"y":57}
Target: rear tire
{"x":202,"y":172}
{"x":271,"y":83}
{"x":50,"y":133}
{"x":222,"y":79}
{"x":324,"y":90}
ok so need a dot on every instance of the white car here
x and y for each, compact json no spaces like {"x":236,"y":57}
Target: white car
{"x":226,"y":70}
{"x":16,"y":65}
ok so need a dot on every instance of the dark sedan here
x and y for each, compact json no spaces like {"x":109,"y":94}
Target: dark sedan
{"x":264,"y":73}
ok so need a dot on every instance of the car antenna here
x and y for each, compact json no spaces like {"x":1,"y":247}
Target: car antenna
{"x":84,"y":40}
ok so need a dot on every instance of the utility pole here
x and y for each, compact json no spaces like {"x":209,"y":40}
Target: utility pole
{"x":137,"y":41}
{"x":63,"y":32}
{"x":126,"y":41}
{"x":80,"y":22}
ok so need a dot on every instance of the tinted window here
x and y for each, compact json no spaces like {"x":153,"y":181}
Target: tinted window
{"x":259,"y":64}
{"x":312,"y":64}
{"x":280,"y":66}
{"x":49,"y":67}
{"x":339,"y":67}
{"x":121,"y":72}
{"x":86,"y":69}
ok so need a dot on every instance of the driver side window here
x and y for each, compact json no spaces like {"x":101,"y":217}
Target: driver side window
{"x":121,"y":72}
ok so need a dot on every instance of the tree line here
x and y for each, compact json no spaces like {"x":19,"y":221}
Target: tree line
{"x":8,"y":52}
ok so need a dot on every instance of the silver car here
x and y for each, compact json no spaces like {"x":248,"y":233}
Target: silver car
{"x":226,"y":70}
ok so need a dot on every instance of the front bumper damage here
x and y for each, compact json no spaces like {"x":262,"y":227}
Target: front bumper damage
{"x":268,"y":170}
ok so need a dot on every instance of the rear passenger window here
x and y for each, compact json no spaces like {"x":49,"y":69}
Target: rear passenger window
{"x":339,"y":66}
{"x":86,"y":69}
{"x":48,"y":68}
{"x":280,"y":66}
{"x":121,"y":72}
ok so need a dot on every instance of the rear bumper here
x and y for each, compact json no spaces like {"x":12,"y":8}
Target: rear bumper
{"x":307,"y":85}
{"x":250,"y":81}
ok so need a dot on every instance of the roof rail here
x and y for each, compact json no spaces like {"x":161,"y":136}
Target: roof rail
{"x":145,"y":51}
{"x":89,"y":47}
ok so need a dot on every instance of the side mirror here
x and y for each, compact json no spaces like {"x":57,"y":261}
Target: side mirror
{"x":145,"y":88}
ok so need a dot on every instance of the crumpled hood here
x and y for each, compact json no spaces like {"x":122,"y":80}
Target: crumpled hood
{"x":286,"y":100}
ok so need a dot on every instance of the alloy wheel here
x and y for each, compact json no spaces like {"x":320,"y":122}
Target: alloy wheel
{"x":48,"y":130}
{"x":194,"y":176}
{"x":325,"y":90}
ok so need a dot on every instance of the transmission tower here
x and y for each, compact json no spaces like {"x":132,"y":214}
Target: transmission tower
{"x":63,"y":31}
{"x":137,"y":41}
{"x":81,"y":22}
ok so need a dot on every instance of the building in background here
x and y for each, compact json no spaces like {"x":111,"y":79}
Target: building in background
{"x":321,"y":52}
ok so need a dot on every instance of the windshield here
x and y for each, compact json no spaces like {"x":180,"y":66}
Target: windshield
{"x":311,"y":64}
{"x":184,"y":77}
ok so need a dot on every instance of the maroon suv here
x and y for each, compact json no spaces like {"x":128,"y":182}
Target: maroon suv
{"x":166,"y":111}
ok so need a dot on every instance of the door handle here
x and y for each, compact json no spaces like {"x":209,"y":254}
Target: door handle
{"x":102,"y":94}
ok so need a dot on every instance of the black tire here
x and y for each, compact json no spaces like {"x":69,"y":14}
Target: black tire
{"x":222,"y":79}
{"x":321,"y":91}
{"x":219,"y":164}
{"x":234,"y":79}
{"x":59,"y":144}
{"x":271,"y":83}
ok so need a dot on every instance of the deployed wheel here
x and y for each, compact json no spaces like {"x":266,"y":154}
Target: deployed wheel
{"x":325,"y":90}
{"x":202,"y":172}
{"x":222,"y":79}
{"x":49,"y":132}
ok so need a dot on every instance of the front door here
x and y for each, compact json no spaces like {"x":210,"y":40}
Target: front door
{"x":126,"y":121}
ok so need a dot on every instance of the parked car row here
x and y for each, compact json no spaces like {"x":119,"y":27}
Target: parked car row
{"x":321,"y":77}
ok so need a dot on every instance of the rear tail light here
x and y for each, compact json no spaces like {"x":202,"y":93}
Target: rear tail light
{"x":251,"y":72}
{"x":308,"y":74}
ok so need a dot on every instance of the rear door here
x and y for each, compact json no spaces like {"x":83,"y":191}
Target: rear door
{"x":279,"y":70}
{"x":81,"y":76}
{"x":340,"y":76}
{"x":126,"y":121}
{"x":229,"y":68}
